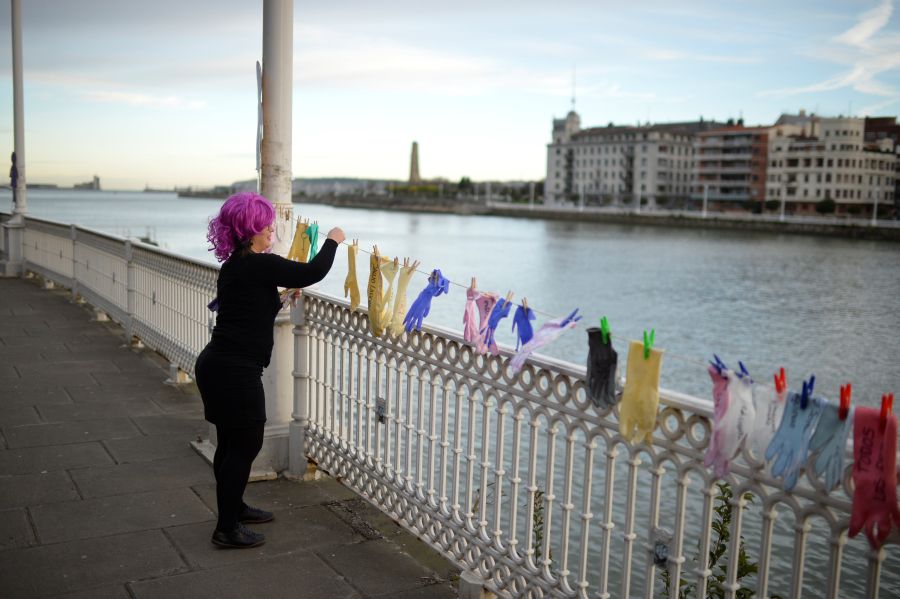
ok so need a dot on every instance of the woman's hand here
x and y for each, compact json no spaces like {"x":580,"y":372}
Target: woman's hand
{"x":337,"y":234}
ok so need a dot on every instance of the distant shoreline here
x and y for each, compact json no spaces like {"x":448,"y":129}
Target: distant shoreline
{"x":887,"y":231}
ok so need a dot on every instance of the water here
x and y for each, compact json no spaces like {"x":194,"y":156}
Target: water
{"x":812,"y":305}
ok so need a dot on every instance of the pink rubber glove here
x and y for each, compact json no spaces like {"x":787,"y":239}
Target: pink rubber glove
{"x":874,"y":475}
{"x":470,"y":317}
{"x":485,"y":303}
{"x":714,"y":451}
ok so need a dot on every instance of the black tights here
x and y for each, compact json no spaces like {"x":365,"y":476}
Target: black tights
{"x":235,"y":452}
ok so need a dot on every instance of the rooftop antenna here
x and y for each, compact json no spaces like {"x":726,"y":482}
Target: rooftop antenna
{"x":573,"y":86}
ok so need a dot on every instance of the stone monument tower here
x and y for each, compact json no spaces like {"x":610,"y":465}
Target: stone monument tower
{"x":414,"y":177}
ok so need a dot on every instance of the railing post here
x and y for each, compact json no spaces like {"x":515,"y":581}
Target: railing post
{"x":298,"y":465}
{"x":471,"y":586}
{"x":73,"y":235}
{"x":129,"y":293}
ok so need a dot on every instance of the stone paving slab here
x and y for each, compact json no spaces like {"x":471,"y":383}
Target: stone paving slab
{"x":374,"y":566}
{"x":53,"y":457}
{"x":119,"y":514}
{"x":146,"y":448}
{"x":112,"y":394}
{"x":170,"y":473}
{"x":98,"y":411}
{"x":60,"y":433}
{"x":36,"y":489}
{"x":15,"y":530}
{"x":77,"y":565}
{"x":275,"y":495}
{"x":18,"y":415}
{"x":33,"y":393}
{"x":292,"y":531}
{"x":188,"y":425}
{"x":302,"y":575}
{"x":118,"y":591}
{"x":68,"y":367}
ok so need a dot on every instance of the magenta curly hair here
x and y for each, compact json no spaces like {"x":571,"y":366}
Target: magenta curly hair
{"x":242,"y":216}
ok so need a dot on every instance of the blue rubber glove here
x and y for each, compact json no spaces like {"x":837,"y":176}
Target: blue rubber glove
{"x":522,"y":319}
{"x":312,"y":232}
{"x":500,"y":311}
{"x":790,"y":445}
{"x":830,"y":441}
{"x":437,"y":285}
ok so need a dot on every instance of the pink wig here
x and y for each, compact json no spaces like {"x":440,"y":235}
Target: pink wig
{"x":242,"y":216}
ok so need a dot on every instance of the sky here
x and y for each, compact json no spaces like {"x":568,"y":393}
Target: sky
{"x":163,"y":93}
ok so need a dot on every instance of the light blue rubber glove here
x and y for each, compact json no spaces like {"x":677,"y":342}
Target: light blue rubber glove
{"x":790,"y":445}
{"x":437,"y":284}
{"x":830,"y":441}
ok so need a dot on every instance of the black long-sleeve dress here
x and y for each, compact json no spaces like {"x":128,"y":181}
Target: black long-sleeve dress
{"x":229,"y":369}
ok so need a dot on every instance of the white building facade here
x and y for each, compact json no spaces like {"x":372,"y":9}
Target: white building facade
{"x":616,"y":164}
{"x":831,"y":159}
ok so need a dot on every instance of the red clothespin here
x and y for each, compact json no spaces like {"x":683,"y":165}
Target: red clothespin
{"x":846,"y":392}
{"x":780,"y":382}
{"x":887,"y":408}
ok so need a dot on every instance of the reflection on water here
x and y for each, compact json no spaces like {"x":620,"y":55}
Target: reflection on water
{"x":813,"y":305}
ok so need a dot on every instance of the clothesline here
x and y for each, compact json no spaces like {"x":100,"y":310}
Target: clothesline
{"x":669,"y":354}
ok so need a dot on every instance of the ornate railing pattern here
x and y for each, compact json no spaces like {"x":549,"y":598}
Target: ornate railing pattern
{"x":520,"y":479}
{"x":159,"y":297}
{"x":517,"y":478}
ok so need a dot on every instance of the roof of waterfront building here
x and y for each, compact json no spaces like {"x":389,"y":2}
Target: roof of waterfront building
{"x":686,"y":127}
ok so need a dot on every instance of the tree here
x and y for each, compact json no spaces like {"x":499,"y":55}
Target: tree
{"x":773,"y":204}
{"x":465,"y":185}
{"x":826,"y":206}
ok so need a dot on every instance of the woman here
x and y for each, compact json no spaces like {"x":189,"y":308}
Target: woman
{"x":229,"y":369}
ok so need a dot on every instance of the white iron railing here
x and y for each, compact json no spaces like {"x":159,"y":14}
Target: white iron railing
{"x":518,"y":479}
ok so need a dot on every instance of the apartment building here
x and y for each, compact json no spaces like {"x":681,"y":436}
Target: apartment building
{"x":830,"y":158}
{"x":620,"y":164}
{"x":729,"y":169}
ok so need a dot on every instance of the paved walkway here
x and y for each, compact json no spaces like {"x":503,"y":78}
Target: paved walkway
{"x":101,"y":495}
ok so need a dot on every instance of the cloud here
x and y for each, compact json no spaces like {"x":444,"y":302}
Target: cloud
{"x":662,"y":54}
{"x":143,"y":100}
{"x":869,"y":55}
{"x":870,"y":23}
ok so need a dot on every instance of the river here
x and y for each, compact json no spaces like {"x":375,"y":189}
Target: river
{"x":813,"y":305}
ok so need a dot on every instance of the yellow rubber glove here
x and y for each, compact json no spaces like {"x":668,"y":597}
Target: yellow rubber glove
{"x":296,"y":243}
{"x":304,"y":244}
{"x":351,"y":285}
{"x":399,"y":312}
{"x":640,"y":400}
{"x":373,"y":293}
{"x":389,"y":269}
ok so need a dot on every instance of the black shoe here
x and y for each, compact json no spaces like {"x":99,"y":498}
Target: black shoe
{"x":254,"y":515}
{"x":239,"y":538}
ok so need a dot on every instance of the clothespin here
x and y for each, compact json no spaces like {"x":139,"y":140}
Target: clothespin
{"x":474,"y":287}
{"x":509,"y":297}
{"x":743,"y":371}
{"x":719,"y":365}
{"x":604,"y":330}
{"x":887,"y":408}
{"x":524,"y":303}
{"x":846,"y":392}
{"x":806,"y":391}
{"x":375,"y":250}
{"x":648,"y":343}
{"x":780,"y":381}
{"x":356,"y":242}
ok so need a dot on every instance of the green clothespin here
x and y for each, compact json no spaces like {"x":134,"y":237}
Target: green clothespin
{"x":604,"y":330}
{"x":648,"y":343}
